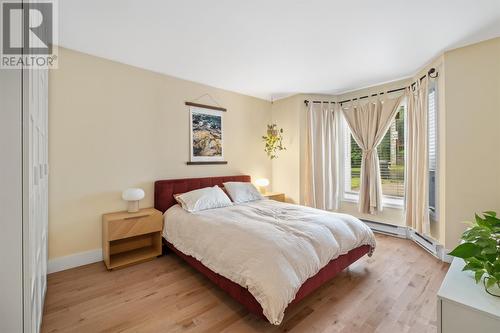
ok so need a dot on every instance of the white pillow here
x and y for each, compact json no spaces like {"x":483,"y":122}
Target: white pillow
{"x":204,"y":198}
{"x":242,"y":192}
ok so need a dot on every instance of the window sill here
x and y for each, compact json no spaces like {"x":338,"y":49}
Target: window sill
{"x":387,"y":201}
{"x":393,"y":202}
{"x":350,"y":197}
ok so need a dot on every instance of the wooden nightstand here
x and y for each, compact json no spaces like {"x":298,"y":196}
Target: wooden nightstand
{"x":275,"y":196}
{"x":130,"y":238}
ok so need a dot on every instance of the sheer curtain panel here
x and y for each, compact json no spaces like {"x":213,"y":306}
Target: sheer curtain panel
{"x":417,"y":169}
{"x":322,"y":186}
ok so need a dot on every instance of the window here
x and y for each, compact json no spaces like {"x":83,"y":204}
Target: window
{"x":432,"y":139}
{"x":391,"y":153}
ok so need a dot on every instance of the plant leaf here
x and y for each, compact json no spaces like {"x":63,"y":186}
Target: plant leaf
{"x":490,"y":257}
{"x":489,"y":250}
{"x":483,"y":222}
{"x":490,"y":281}
{"x":466,"y":250}
{"x":496,"y":265}
{"x":474,"y":261}
{"x":486,"y":242}
{"x":478,"y":275}
{"x":490,"y":213}
{"x":492,"y":221}
{"x":489,"y":268}
{"x":473,"y":266}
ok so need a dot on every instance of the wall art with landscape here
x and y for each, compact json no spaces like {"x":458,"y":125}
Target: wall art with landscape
{"x":206,"y":135}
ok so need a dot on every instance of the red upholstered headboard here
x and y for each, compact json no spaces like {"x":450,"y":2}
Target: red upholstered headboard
{"x":165,"y":189}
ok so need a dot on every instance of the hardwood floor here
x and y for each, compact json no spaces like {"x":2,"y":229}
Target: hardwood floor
{"x":393,"y":291}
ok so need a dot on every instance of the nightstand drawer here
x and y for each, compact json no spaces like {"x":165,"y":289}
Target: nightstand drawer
{"x":134,"y":226}
{"x":275,"y":196}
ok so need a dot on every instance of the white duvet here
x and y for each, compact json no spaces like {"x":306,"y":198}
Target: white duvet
{"x":270,"y":248}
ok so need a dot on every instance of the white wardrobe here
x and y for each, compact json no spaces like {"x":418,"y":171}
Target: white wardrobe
{"x":35,"y":195}
{"x":23,"y":198}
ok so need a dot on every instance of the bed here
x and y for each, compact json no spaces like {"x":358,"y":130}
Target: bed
{"x":302,"y":256}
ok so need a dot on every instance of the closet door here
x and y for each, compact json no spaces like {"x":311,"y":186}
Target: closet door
{"x":35,"y":233}
{"x":35,"y":191}
{"x":11,"y":195}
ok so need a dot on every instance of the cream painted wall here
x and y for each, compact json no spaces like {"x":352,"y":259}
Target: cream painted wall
{"x":472,"y":97}
{"x":376,"y":89}
{"x":286,"y":168}
{"x":113,"y":126}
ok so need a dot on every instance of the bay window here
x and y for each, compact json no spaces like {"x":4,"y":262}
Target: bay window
{"x":391,"y":153}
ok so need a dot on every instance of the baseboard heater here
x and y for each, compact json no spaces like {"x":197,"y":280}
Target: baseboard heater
{"x":426,"y":243}
{"x":388,"y":229}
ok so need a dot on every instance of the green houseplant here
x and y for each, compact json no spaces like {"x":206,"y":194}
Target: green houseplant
{"x":273,"y":141}
{"x":480,"y":250}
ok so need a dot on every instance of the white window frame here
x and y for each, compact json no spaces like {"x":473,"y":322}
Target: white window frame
{"x":345,"y":171}
{"x":434,"y":216}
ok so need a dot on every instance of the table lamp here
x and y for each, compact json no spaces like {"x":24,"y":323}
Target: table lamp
{"x":132,"y":196}
{"x":262,"y":183}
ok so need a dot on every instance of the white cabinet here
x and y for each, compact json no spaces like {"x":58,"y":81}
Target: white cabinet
{"x":23,"y":198}
{"x":464,"y":306}
{"x":35,"y":195}
{"x":11,"y":228}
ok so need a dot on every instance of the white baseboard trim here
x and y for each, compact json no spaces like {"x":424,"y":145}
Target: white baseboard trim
{"x":443,"y":255}
{"x":74,"y":260}
{"x":92,"y":256}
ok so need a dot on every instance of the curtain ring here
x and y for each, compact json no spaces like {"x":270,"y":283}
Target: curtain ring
{"x":433,"y":73}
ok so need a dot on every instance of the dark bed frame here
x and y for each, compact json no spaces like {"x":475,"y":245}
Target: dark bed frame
{"x":164,"y":199}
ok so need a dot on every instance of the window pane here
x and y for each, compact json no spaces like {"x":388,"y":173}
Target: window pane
{"x":432,"y":129}
{"x":432,"y":123}
{"x":355,"y":165}
{"x":391,"y":153}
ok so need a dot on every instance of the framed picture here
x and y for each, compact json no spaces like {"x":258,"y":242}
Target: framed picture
{"x":207,"y":134}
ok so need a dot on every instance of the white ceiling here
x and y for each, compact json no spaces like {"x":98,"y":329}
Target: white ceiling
{"x":273,"y":48}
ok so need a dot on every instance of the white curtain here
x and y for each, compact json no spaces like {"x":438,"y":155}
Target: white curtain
{"x":322,"y":156}
{"x":369,"y":121}
{"x":417,"y":169}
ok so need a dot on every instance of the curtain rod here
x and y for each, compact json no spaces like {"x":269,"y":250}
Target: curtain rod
{"x":432,"y":74}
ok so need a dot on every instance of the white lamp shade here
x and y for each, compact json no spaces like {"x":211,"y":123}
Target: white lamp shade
{"x":262,"y":182}
{"x":133,"y":194}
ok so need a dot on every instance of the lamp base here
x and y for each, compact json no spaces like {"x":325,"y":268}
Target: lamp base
{"x":133,"y":206}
